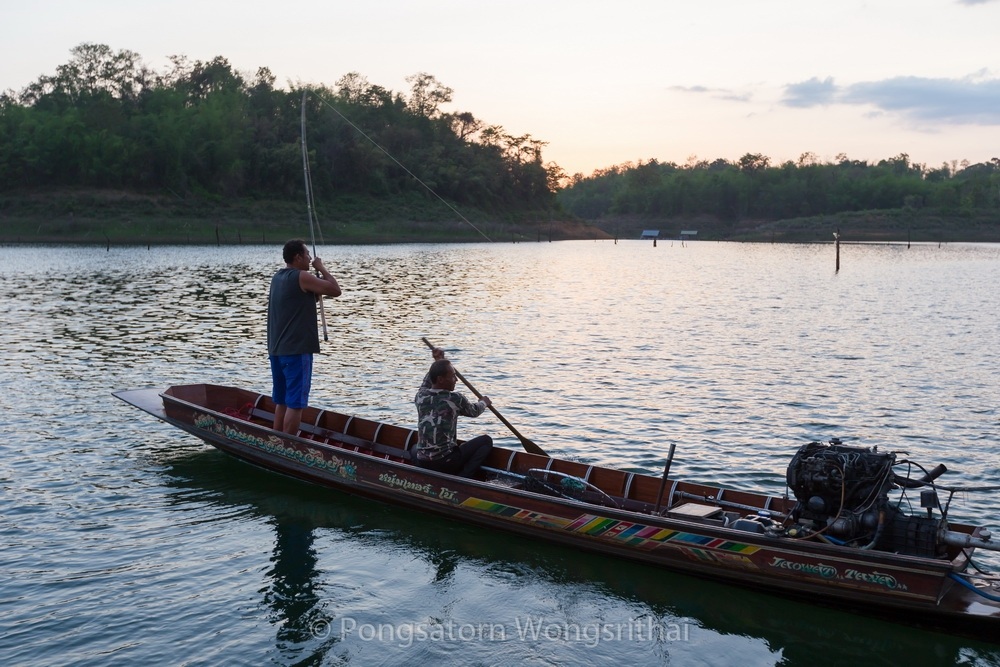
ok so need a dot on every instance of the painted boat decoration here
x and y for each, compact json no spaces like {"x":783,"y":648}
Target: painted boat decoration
{"x":839,"y":539}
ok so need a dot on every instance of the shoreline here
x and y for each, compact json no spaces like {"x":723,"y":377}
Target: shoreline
{"x":102,"y":217}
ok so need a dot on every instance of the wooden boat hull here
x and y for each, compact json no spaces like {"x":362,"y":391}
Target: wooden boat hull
{"x":370,"y":459}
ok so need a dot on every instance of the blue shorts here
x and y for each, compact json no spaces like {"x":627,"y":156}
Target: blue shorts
{"x":291,"y":376}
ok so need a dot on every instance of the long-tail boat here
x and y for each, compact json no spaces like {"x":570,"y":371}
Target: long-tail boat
{"x":846,"y":535}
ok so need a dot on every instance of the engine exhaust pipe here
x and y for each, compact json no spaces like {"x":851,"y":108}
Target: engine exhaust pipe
{"x":964,"y":540}
{"x":929,"y":477}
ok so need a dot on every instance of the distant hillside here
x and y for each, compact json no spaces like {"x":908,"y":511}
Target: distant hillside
{"x":120,"y":217}
{"x":888,"y":225}
{"x":202,"y":132}
{"x":807,"y":200}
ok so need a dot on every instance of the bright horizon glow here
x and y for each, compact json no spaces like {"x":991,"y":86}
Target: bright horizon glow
{"x":602,"y":84}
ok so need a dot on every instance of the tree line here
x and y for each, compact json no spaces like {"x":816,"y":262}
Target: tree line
{"x":106,"y":120}
{"x":751,"y":188}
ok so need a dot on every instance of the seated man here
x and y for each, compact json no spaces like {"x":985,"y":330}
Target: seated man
{"x":438,"y":408}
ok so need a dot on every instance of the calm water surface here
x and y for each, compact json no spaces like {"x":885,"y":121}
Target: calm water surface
{"x":129,"y":542}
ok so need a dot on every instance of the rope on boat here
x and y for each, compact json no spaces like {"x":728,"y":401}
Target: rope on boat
{"x":241,"y":413}
{"x":974,"y":589}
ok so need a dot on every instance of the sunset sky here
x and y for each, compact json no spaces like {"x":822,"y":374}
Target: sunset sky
{"x":603,"y":83}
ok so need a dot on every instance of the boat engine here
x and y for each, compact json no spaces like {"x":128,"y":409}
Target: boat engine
{"x":847,"y":486}
{"x":841,"y":488}
{"x":843,"y":492}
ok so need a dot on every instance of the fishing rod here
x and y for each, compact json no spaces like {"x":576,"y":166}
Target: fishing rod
{"x":311,"y":209}
{"x":401,"y":166}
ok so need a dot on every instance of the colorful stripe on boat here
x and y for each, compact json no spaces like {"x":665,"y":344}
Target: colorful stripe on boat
{"x":633,"y":534}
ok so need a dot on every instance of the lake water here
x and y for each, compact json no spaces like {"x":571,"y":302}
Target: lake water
{"x":127,"y":541}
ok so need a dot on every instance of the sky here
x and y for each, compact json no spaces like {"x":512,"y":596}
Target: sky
{"x":603,"y":83}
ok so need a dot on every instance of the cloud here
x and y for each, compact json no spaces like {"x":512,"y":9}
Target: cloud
{"x":690,"y":89}
{"x":974,"y":2}
{"x":946,"y":100}
{"x":718,"y":93}
{"x":973,"y":100}
{"x":810,"y":93}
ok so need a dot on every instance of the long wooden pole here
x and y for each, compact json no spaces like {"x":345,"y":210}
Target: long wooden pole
{"x":663,"y":482}
{"x":310,"y":210}
{"x":528,"y":445}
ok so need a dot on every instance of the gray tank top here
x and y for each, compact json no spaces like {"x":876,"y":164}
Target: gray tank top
{"x":291,"y":316}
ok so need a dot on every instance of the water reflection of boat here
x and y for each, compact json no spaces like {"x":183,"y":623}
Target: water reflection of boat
{"x":800,"y":633}
{"x":839,"y":541}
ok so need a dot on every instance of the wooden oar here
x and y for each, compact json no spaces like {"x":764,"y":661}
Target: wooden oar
{"x":528,"y":445}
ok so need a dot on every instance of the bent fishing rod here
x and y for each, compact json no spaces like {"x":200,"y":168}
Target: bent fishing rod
{"x":311,"y":209}
{"x":401,"y":166}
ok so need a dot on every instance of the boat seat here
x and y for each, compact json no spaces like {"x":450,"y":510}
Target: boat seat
{"x":320,"y":434}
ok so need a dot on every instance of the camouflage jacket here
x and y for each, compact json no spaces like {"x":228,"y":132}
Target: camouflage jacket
{"x":437,"y":420}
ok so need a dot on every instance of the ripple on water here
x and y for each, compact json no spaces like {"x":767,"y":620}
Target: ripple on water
{"x":127,"y":542}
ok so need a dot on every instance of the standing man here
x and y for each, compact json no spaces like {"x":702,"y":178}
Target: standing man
{"x":438,"y":408}
{"x":292,"y":338}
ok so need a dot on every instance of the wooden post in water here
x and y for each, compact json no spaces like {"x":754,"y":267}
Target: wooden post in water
{"x":836,"y":236}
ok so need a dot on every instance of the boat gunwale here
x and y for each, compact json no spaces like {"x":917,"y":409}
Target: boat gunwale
{"x":842,"y":553}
